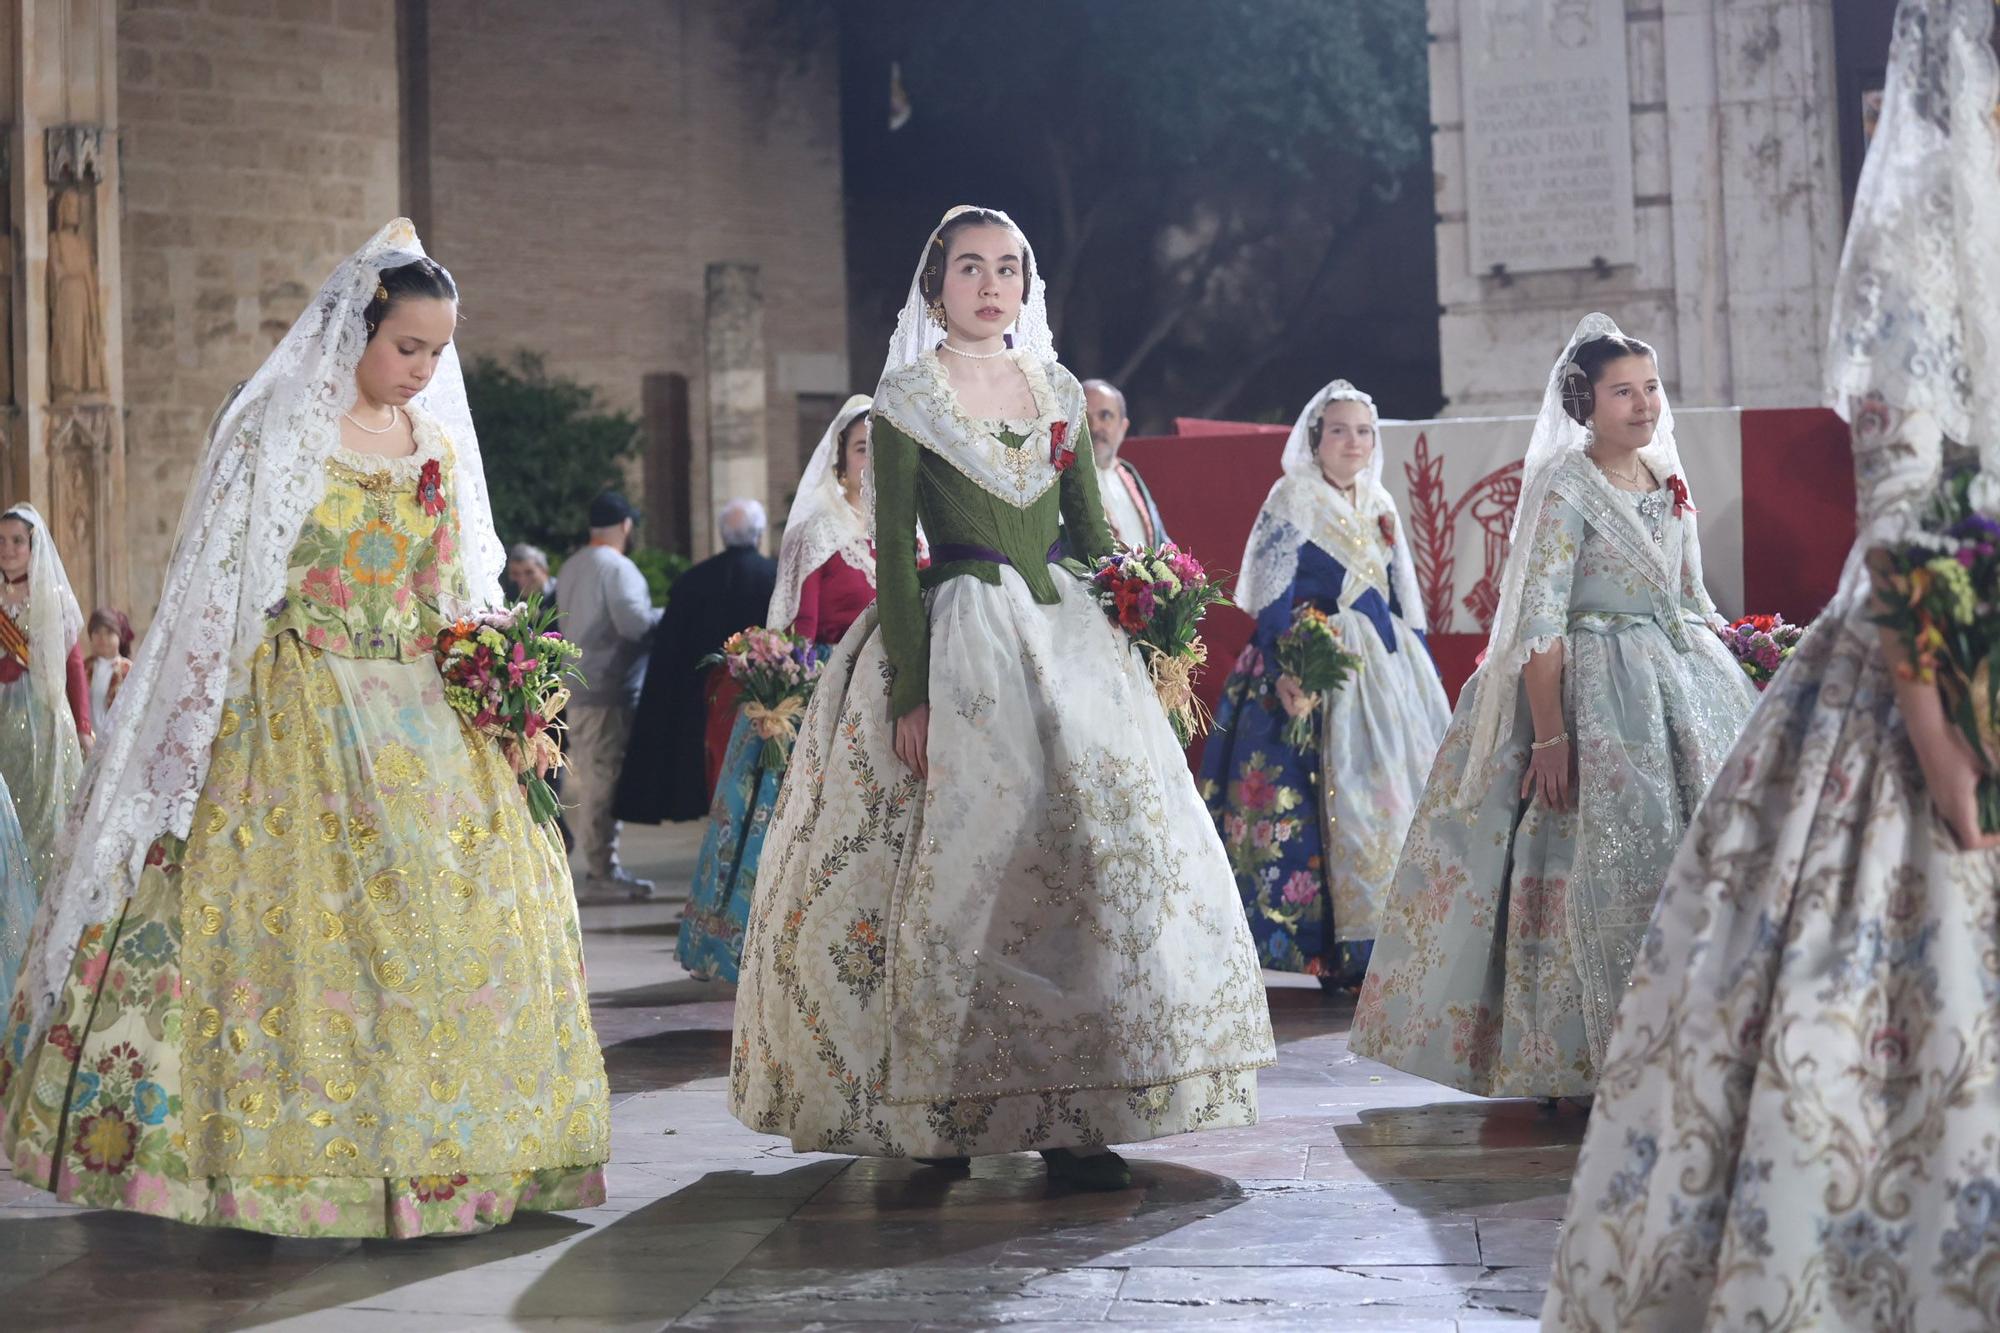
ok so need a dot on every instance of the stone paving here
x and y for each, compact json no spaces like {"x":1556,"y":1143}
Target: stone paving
{"x":1365,"y":1199}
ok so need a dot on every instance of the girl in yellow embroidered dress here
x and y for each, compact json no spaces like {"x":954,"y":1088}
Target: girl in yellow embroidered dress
{"x":352,"y":1002}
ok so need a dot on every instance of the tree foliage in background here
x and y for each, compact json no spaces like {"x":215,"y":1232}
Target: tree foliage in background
{"x":549,"y":449}
{"x":1209,"y":183}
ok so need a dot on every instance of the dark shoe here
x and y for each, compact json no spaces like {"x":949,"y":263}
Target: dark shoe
{"x":956,"y":1165}
{"x":1098,"y":1171}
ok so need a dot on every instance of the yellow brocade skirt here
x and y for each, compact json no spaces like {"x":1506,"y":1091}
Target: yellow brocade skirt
{"x":351,"y":1004}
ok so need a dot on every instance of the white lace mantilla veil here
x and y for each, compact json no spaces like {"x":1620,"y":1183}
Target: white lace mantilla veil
{"x":1916,"y":310}
{"x":1302,"y":503}
{"x":1556,"y":439}
{"x":822,"y":524}
{"x":262,"y":472}
{"x":917,"y":333}
{"x":55,"y":621}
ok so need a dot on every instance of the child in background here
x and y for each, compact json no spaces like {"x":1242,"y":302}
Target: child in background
{"x":109,"y":661}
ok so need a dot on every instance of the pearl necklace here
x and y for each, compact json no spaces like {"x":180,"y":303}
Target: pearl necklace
{"x":974,"y":356}
{"x":1639,"y":480}
{"x":395,"y":415}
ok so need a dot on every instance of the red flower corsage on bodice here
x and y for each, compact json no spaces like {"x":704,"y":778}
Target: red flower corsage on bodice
{"x":1387,"y":526}
{"x":430,"y":488}
{"x":1060,"y":452}
{"x":1682,"y":505}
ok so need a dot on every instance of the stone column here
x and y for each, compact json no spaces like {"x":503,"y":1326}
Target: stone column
{"x":66,"y":428}
{"x":738,"y":386}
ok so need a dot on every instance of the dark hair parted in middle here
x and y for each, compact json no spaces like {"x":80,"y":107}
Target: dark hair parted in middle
{"x":847,"y":438}
{"x":423,"y":278}
{"x":1585,"y":368}
{"x":931,"y":284}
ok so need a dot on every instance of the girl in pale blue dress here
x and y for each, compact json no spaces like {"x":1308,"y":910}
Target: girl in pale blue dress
{"x":1578,"y":753}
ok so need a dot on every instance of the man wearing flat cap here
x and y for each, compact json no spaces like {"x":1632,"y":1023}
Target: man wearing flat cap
{"x":606,"y":612}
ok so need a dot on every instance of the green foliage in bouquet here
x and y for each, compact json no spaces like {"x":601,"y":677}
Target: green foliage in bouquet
{"x":1310,"y":653}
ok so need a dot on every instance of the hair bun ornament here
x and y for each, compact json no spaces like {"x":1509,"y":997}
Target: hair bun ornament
{"x":1579,"y":399}
{"x":381,"y":292}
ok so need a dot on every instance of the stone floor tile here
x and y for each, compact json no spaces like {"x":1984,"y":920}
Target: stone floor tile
{"x":1389,"y":1164}
{"x":1284,"y":1230}
{"x":969,"y":1298}
{"x":1524,"y":1242}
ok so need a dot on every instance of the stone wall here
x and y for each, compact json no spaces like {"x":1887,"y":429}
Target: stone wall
{"x":1737,"y":209}
{"x":585,"y":171}
{"x":260,"y":147}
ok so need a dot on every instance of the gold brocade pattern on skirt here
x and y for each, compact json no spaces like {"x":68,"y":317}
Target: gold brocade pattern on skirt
{"x":380,"y":953}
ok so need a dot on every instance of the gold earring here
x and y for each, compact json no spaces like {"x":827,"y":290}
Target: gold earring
{"x":937,"y":313}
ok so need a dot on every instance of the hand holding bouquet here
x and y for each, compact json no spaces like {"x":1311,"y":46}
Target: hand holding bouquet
{"x":776,"y":670}
{"x":1158,"y":595}
{"x":1310,"y":653}
{"x":1936,"y":595}
{"x":503,"y":673}
{"x":1761,"y":644}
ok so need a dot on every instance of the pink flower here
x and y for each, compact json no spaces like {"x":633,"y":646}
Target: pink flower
{"x":1301,"y":888}
{"x":147,"y":1193}
{"x":407,"y":1222}
{"x":328,"y":587}
{"x":1255,"y":790}
{"x":519,"y":664}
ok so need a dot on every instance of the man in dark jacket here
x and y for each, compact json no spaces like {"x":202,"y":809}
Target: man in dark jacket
{"x":666,"y":765}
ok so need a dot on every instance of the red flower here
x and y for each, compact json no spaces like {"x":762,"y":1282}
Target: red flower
{"x":430,"y":488}
{"x":1763,"y":624}
{"x":1060,"y":453}
{"x":435,"y":1189}
{"x":1127,"y":596}
{"x":1681,"y":502}
{"x":1388,"y":527}
{"x":65,"y":1041}
{"x":106,"y":1141}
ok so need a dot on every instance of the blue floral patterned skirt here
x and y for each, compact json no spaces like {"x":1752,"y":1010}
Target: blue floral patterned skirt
{"x":1264,"y":796}
{"x":711,"y":938}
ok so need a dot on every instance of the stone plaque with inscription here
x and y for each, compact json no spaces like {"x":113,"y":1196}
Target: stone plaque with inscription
{"x":1548,"y":133}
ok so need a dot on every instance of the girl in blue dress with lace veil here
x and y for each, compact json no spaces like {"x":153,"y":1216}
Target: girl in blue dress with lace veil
{"x":1313,"y":832}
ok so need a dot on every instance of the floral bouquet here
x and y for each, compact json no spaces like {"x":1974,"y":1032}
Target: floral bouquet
{"x":1936,"y":591}
{"x":503,"y":672}
{"x":1311,"y":654}
{"x":1158,"y":595}
{"x":1761,"y":644}
{"x":776,"y":670}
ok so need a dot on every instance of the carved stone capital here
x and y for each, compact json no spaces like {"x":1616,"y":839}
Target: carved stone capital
{"x":75,"y":154}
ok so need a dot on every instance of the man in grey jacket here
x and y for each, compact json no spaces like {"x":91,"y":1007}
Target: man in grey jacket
{"x":605,"y":611}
